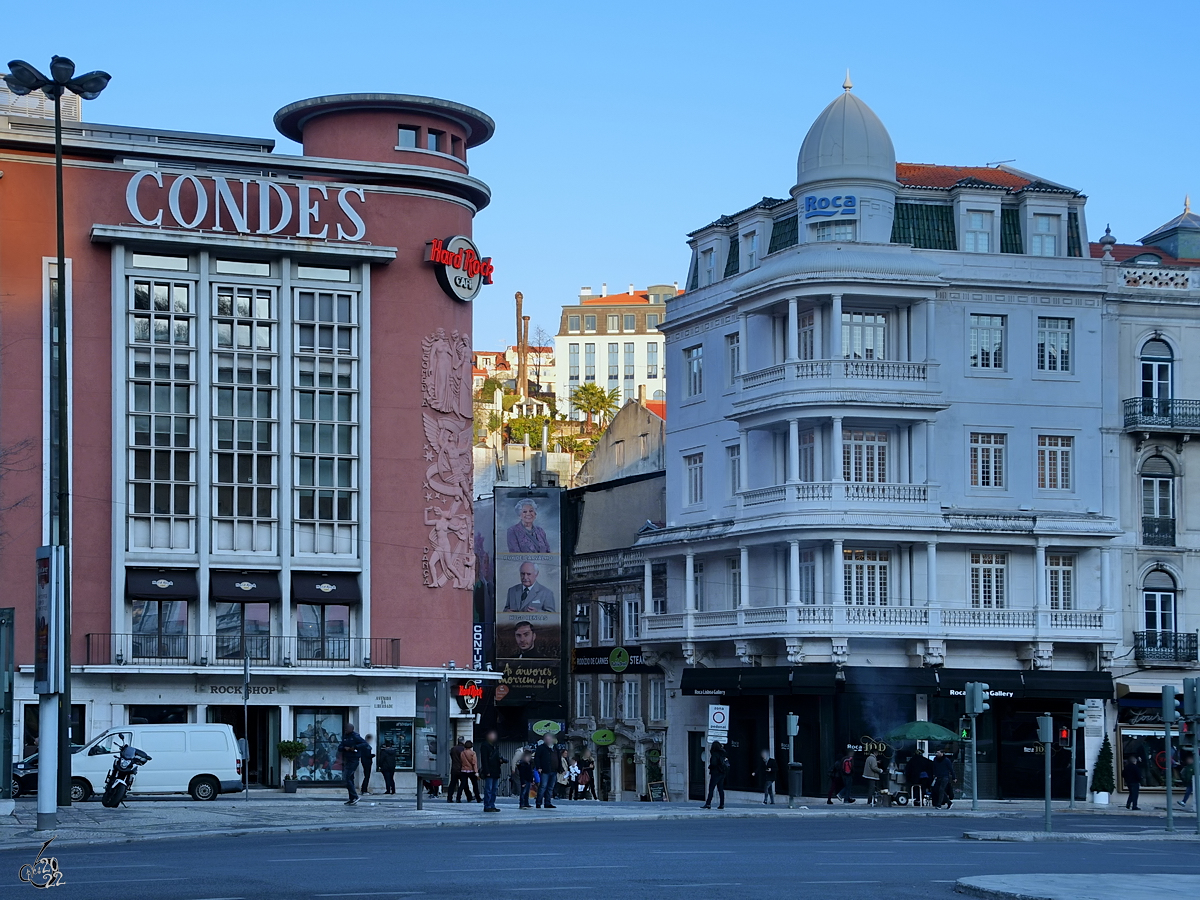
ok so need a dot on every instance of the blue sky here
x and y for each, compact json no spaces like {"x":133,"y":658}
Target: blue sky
{"x":622,"y":126}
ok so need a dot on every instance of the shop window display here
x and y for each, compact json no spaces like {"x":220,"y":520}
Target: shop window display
{"x":320,"y":730}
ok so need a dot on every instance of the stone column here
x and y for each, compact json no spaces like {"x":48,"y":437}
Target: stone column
{"x":930,"y":330}
{"x":931,"y":591}
{"x":743,"y":343}
{"x":930,"y":449}
{"x":839,"y":575}
{"x":835,"y":326}
{"x":835,"y":447}
{"x":1106,"y":597}
{"x":743,"y":459}
{"x":793,"y":331}
{"x":1039,"y":572}
{"x":689,"y":578}
{"x":793,"y":461}
{"x":647,"y":588}
{"x":793,"y":592}
{"x":903,"y":351}
{"x":744,"y":577}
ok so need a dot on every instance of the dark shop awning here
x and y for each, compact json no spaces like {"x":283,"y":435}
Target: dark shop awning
{"x":246,"y":587}
{"x":700,"y":682}
{"x":1068,"y":685}
{"x":161,"y":584}
{"x":325,"y":587}
{"x":752,"y":681}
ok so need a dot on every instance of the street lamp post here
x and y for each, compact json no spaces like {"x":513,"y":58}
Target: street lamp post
{"x":22,"y":78}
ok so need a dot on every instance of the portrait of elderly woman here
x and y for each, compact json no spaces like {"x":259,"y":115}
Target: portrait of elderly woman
{"x":526,"y":536}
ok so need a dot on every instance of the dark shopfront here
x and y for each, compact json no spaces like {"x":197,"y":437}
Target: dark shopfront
{"x":859,"y":709}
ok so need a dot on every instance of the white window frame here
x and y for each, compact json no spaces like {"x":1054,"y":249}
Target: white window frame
{"x":733,"y":356}
{"x":808,"y":334}
{"x":866,"y":455}
{"x":698,"y":582}
{"x":606,"y":708}
{"x":808,"y":577}
{"x":631,"y":697}
{"x":693,"y":371}
{"x":1159,"y":610}
{"x":1054,"y":462}
{"x":834,"y":231}
{"x":733,"y":460}
{"x":977,"y":236}
{"x":1043,"y":241}
{"x":612,"y":324}
{"x":987,"y":460}
{"x":808,"y":456}
{"x":606,"y":629}
{"x":733,"y":570}
{"x":583,"y":697}
{"x":657,"y":695}
{"x":986,"y":331}
{"x":866,"y":576}
{"x":864,"y":334}
{"x":988,"y":579}
{"x":750,"y":249}
{"x":1060,"y":580}
{"x":708,"y":263}
{"x":693,"y":468}
{"x":631,"y":620}
{"x":1054,"y":338}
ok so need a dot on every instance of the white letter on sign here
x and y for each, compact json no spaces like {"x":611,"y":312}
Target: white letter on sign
{"x":201,"y":201}
{"x":131,"y":196}
{"x":351,"y":214}
{"x":310,"y":210}
{"x":265,"y":189}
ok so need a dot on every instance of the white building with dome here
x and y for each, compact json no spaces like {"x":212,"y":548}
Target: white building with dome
{"x":896,"y":461}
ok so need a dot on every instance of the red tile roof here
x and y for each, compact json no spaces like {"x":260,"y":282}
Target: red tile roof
{"x":619,"y":299}
{"x":1122,"y":252}
{"x":933,"y":176}
{"x":658,"y":407}
{"x":476,"y":371}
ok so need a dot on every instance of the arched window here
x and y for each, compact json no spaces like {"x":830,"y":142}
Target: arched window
{"x":1157,"y":360}
{"x":1158,"y":604}
{"x":1158,"y":502}
{"x":660,"y":395}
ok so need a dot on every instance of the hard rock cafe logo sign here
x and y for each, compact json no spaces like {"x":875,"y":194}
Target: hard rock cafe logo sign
{"x":162,"y":584}
{"x":325,"y":587}
{"x":472,"y":693}
{"x":459,"y":268}
{"x":245,"y":585}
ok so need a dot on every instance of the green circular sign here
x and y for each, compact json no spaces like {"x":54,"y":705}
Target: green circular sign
{"x":654,"y":755}
{"x":546,"y":726}
{"x":603,"y":737}
{"x":618,"y":660}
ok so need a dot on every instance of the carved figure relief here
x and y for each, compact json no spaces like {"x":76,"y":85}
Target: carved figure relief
{"x":446,"y":389}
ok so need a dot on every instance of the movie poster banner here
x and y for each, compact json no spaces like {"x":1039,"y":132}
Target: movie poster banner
{"x":527,"y":595}
{"x":483,"y":630}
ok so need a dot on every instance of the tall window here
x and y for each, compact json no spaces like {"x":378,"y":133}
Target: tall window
{"x":1054,"y":462}
{"x":589,"y":324}
{"x":864,"y":455}
{"x":1158,"y":502}
{"x":865,"y":576}
{"x":1157,"y":362}
{"x":693,"y":465}
{"x":323,"y":631}
{"x":243,"y":629}
{"x":629,"y":323}
{"x":1060,"y":577}
{"x":808,"y":577}
{"x":708,"y":263}
{"x":733,"y":458}
{"x":246,"y":419}
{"x":629,"y":361}
{"x":326,"y":429}
{"x":589,"y":362}
{"x":864,"y":335}
{"x":608,"y":624}
{"x":631,"y":620}
{"x":750,"y":246}
{"x":407,"y":137}
{"x":808,"y":456}
{"x":988,"y":580}
{"x":693,"y":371}
{"x":733,"y":352}
{"x":607,"y":695}
{"x":733,"y":566}
{"x":1044,"y":240}
{"x":987,"y":342}
{"x":583,"y":697}
{"x":698,"y":582}
{"x":657,"y":686}
{"x":1158,"y":602}
{"x":162,"y":424}
{"x":808,"y":335}
{"x":614,"y":362}
{"x":631,"y":707}
{"x":978,"y":237}
{"x":658,"y":587}
{"x":573,"y":362}
{"x":652,"y":320}
{"x":834,"y":231}
{"x":573,"y":324}
{"x":987,"y":459}
{"x":614,"y":324}
{"x":1054,"y":344}
{"x":651,"y":360}
{"x":160,"y":629}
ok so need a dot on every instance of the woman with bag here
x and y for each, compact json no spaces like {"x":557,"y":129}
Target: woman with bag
{"x":562,"y":790}
{"x":587,"y":776}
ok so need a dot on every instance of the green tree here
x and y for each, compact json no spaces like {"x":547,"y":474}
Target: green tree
{"x":595,"y":402}
{"x":1103,"y":775}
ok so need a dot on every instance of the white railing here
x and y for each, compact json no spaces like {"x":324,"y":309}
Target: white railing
{"x":1157,"y":277}
{"x":826,"y":491}
{"x":716,"y":617}
{"x":814,"y":490}
{"x":887,"y":615}
{"x":763,"y":376}
{"x":758,"y":496}
{"x":763,"y":615}
{"x":893,"y":493}
{"x":808,"y":370}
{"x":605,"y":562}
{"x":665,"y":621}
{"x":1076,"y":618}
{"x":989,"y":618}
{"x":884,"y":369}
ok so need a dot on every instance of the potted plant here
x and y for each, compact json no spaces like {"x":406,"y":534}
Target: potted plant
{"x":1103,"y":782}
{"x":291,"y":750}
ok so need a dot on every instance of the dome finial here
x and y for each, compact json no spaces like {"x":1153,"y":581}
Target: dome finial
{"x":847,"y":84}
{"x":1187,"y":203}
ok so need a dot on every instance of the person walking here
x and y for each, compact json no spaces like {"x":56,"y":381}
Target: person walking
{"x":387,"y":766}
{"x":917,"y":772}
{"x":455,"y":771}
{"x":545,"y":760}
{"x":490,"y":762}
{"x":836,"y":780}
{"x":1132,"y":773}
{"x":525,"y":779}
{"x":871,"y":774}
{"x":718,"y":770}
{"x":1187,"y":775}
{"x":587,"y":776}
{"x":350,"y":748}
{"x":847,"y":778}
{"x":469,"y":777}
{"x":765,"y":773}
{"x":943,"y":780}
{"x":366,"y":756}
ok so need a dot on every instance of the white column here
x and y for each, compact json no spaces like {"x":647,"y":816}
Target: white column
{"x":744,"y":577}
{"x":689,"y":578}
{"x":835,"y":326}
{"x":931,"y":592}
{"x":793,"y":593}
{"x":839,"y":575}
{"x":819,"y":586}
{"x":1040,"y":574}
{"x":818,"y":338}
{"x":647,"y":588}
{"x":902,"y":553}
{"x":930,"y":445}
{"x":793,"y":330}
{"x":835,"y":447}
{"x":793,"y":461}
{"x":744,"y":343}
{"x":743,"y":459}
{"x":902,"y":347}
{"x":930,"y":330}
{"x":1106,"y":597}
{"x":903,"y":475}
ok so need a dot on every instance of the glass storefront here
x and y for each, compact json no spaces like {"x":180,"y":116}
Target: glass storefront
{"x":400,"y":733}
{"x":1148,"y":745}
{"x":321,"y":730}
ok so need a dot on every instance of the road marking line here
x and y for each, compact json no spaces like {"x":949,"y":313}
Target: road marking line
{"x":689,"y":852}
{"x":319,"y":859}
{"x":373,"y":894}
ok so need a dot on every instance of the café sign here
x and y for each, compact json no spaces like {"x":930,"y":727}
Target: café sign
{"x":459,"y":268}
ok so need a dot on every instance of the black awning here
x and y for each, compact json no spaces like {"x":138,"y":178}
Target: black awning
{"x":325,"y":587}
{"x":1003,"y":682}
{"x":1068,"y":685}
{"x":889,"y":680}
{"x":696,"y":682}
{"x":815,"y":679}
{"x":757,"y":680}
{"x":161,"y":584}
{"x":246,"y":587}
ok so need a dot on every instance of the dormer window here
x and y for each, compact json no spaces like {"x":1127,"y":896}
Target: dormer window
{"x":708,"y":262}
{"x":750,"y":242}
{"x":1146,"y":259}
{"x":1044,"y":240}
{"x":978,"y":237}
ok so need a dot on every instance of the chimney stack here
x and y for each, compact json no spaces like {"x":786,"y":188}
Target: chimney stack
{"x":676,"y":287}
{"x":631,"y":287}
{"x":604,"y":289}
{"x":642,"y":394}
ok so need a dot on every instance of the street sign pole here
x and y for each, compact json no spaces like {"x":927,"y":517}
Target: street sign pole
{"x":1170,"y":713}
{"x":1046,"y":736}
{"x":974,"y":766}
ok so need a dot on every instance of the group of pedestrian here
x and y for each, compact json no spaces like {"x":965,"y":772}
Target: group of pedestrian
{"x":929,"y":781}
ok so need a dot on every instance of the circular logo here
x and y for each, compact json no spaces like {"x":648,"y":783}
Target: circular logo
{"x":460,"y":270}
{"x":654,"y":755}
{"x":546,"y":726}
{"x":618,"y":660}
{"x":603,"y":737}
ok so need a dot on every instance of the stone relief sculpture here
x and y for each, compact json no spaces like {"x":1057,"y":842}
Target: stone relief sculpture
{"x":446,"y":389}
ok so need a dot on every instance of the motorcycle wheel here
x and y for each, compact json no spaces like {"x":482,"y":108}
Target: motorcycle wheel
{"x":115,"y":794}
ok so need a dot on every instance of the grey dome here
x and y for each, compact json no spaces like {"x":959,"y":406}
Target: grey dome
{"x":846,"y":141}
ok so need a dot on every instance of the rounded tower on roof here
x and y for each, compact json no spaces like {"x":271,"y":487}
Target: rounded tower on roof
{"x":847,"y":155}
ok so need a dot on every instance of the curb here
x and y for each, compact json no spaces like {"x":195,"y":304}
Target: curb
{"x":1029,"y":837}
{"x":968,"y":887}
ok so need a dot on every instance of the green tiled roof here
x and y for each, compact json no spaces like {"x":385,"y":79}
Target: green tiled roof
{"x":927,"y":226}
{"x":1074,"y":244}
{"x":783,"y":234}
{"x":1010,"y":231}
{"x":733,"y":263}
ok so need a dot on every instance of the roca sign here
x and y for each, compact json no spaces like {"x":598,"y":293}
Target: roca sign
{"x":460,"y":270}
{"x":246,"y":205}
{"x":839,"y":205}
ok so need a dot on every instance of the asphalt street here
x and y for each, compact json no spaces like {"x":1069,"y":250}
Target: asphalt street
{"x":829,"y":858}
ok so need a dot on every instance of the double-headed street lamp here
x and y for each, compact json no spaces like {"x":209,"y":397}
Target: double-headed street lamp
{"x":22,"y":79}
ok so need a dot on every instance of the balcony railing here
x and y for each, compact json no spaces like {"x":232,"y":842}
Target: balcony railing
{"x":219,"y":650}
{"x":830,"y":491}
{"x":1158,"y":531}
{"x":1164,"y":646}
{"x":1156,"y":414}
{"x":808,"y":370}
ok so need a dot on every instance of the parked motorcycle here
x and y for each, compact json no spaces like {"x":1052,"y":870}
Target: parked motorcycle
{"x":119,"y":781}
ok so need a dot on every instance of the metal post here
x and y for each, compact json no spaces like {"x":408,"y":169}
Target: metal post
{"x":246,"y":718}
{"x":1196,"y":770}
{"x":1170,"y":771}
{"x":974,"y":766}
{"x":792,"y":760}
{"x":7,"y":677}
{"x":1071,"y":788}
{"x":420,"y":791}
{"x":1046,"y":737}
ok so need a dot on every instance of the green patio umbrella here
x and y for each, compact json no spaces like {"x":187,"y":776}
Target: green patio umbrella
{"x":922,"y":731}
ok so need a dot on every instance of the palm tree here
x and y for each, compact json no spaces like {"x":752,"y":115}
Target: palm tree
{"x":593,"y":401}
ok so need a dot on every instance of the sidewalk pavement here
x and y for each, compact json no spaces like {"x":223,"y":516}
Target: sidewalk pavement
{"x":1078,"y":887}
{"x":265,"y":810}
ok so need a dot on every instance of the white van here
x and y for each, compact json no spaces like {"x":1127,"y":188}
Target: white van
{"x":201,"y":760}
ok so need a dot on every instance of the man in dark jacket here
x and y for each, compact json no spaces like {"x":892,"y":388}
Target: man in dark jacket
{"x":943,"y":780}
{"x":764,"y":772}
{"x":387,"y":766}
{"x":456,"y":771}
{"x":490,"y":762}
{"x":1132,"y":773}
{"x":351,"y":748}
{"x":525,"y":779}
{"x":718,"y":770}
{"x":919,"y":775}
{"x":545,"y":760}
{"x":366,"y":756}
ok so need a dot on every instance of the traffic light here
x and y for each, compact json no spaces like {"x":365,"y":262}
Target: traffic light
{"x":977,"y":698}
{"x":964,"y":728}
{"x":1078,"y":716}
{"x":985,"y":696}
{"x":1045,"y":729}
{"x":1170,"y":704}
{"x":1191,"y":697}
{"x":1064,"y":735}
{"x":793,"y":725}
